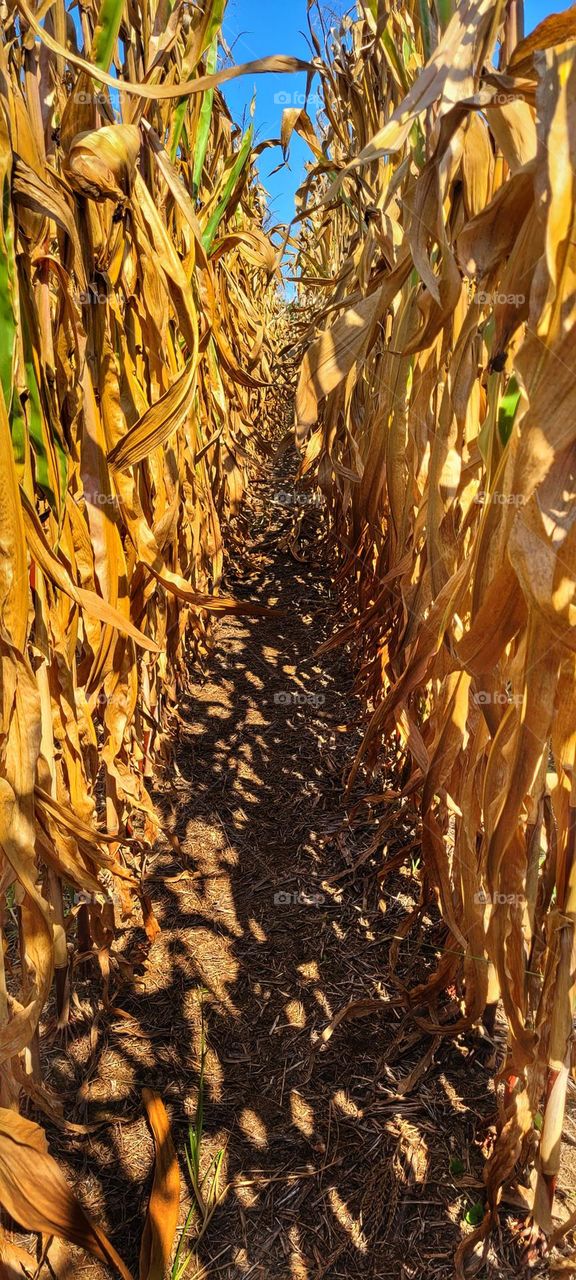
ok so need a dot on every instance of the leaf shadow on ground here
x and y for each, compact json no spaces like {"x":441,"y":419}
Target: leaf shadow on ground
{"x":331,"y":1170}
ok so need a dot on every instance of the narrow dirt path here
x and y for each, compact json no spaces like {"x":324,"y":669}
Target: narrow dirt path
{"x":330,"y":1169}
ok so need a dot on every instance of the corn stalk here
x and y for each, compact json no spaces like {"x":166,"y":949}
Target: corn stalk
{"x":137,"y":292}
{"x":436,"y":408}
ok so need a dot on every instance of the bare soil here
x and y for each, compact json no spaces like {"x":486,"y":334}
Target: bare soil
{"x":342,"y":1159}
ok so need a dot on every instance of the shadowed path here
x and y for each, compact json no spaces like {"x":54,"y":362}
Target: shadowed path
{"x":337,"y":1161}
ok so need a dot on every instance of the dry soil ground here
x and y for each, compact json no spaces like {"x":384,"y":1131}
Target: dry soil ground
{"x":340,"y":1159}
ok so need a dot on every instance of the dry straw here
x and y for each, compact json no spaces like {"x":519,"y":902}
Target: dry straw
{"x":437,"y":406}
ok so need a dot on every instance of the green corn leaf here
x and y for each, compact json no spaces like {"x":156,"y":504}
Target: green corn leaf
{"x":426,"y":28}
{"x":507,"y":410}
{"x":445,"y":9}
{"x":229,"y":186}
{"x":7,"y":293}
{"x":106,"y":33}
{"x":50,"y":458}
{"x":210,"y":43}
{"x":205,"y":121}
{"x":215,"y":21}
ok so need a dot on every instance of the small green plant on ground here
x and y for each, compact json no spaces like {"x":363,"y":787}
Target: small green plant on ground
{"x":208,"y":1193}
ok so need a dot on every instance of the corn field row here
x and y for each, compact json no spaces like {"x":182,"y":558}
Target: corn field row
{"x":137,"y":294}
{"x":436,"y":409}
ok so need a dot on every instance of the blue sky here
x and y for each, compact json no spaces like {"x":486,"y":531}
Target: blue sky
{"x":255,"y":28}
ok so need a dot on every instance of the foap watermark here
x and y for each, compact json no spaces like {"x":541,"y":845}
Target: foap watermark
{"x":298,"y":99}
{"x":288,"y":699}
{"x":503,"y":99}
{"x":92,"y":298}
{"x":484,"y":299}
{"x":299,"y":898}
{"x":288,"y":499}
{"x":502,"y":698}
{"x":85,"y":99}
{"x":483,"y":499}
{"x":102,"y":500}
{"x":499,"y":899}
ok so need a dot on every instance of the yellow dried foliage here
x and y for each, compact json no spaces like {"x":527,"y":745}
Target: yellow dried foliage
{"x":436,"y":406}
{"x":137,"y":293}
